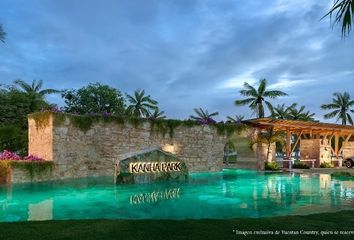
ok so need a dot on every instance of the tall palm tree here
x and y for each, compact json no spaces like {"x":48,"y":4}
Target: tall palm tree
{"x":140,"y":104}
{"x":157,"y":114}
{"x":2,"y":34}
{"x":343,"y":11}
{"x":35,"y":92}
{"x":300,"y":114}
{"x":236,"y":119}
{"x":256,"y":98}
{"x":203,"y":116}
{"x":341,"y":106}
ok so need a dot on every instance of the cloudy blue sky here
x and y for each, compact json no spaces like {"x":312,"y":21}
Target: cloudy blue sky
{"x":185,"y":53}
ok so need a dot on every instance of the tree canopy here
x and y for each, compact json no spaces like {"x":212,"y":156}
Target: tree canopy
{"x":94,"y":98}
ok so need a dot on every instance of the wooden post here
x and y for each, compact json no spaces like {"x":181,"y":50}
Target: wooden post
{"x":336,"y":145}
{"x":288,"y":143}
{"x":297,"y":141}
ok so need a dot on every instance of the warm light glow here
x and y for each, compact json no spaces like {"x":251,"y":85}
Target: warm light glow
{"x":169,"y":148}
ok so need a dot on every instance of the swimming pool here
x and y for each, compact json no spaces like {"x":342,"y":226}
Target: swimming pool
{"x":226,"y":194}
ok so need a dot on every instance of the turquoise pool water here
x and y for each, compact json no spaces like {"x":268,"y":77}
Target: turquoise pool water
{"x":227,"y":194}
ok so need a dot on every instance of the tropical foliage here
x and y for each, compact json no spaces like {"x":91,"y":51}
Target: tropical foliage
{"x":140,"y":104}
{"x":269,"y":137}
{"x":292,"y":113}
{"x":94,"y":99}
{"x":236,"y":119}
{"x":203,"y":116}
{"x":14,"y":108}
{"x":34,"y":92}
{"x":341,"y":107}
{"x":342,"y":11}
{"x":282,"y":111}
{"x":300,"y":114}
{"x":157,"y":114}
{"x":256,"y":98}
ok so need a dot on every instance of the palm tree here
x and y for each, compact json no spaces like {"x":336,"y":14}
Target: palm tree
{"x":256,"y":98}
{"x":281,"y":111}
{"x":268,"y":137}
{"x":2,"y":34}
{"x":341,"y":104}
{"x":34,"y":92}
{"x":140,"y":104}
{"x":203,"y":116}
{"x":343,"y":11}
{"x":157,"y":114}
{"x":300,"y":114}
{"x":237,"y":119}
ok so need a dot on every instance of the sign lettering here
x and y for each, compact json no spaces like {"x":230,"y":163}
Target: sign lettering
{"x":151,"y":167}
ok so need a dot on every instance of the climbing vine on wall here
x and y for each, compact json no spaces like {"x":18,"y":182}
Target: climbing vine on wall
{"x":159,"y":126}
{"x":34,"y":168}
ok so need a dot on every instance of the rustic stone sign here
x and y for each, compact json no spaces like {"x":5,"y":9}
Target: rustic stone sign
{"x":150,"y":166}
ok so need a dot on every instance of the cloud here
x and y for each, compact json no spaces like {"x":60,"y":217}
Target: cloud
{"x":284,"y":83}
{"x":185,"y":54}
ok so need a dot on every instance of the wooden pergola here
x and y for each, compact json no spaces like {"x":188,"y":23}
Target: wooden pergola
{"x":306,"y":130}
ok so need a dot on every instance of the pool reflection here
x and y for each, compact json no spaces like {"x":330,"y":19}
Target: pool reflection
{"x":230,"y":194}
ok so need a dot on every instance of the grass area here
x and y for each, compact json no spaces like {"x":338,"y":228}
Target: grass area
{"x":185,"y":229}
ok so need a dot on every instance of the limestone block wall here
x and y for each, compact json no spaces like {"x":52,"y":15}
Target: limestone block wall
{"x":319,"y":149}
{"x":310,"y":149}
{"x":93,"y":153}
{"x":348,"y":149}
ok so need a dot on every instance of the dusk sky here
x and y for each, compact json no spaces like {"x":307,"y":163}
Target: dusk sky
{"x":184,"y":53}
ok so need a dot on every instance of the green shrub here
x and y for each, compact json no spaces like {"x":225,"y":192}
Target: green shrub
{"x":326,"y":165}
{"x":342,"y":174}
{"x":300,"y":165}
{"x":272,"y":166}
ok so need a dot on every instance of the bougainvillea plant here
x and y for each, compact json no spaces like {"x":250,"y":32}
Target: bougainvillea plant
{"x":7,"y":155}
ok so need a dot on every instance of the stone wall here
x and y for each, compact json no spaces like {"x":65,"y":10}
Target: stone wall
{"x":93,"y":153}
{"x":19,"y":175}
{"x":348,"y":149}
{"x":319,"y":149}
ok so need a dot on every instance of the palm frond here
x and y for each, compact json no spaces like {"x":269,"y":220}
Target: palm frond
{"x":343,"y":11}
{"x":22,"y":84}
{"x":2,"y":34}
{"x":48,"y":91}
{"x":274,"y":94}
{"x":350,"y":120}
{"x":329,"y":106}
{"x":331,"y":114}
{"x":244,"y":101}
{"x":270,"y":107}
{"x":262,"y":86}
